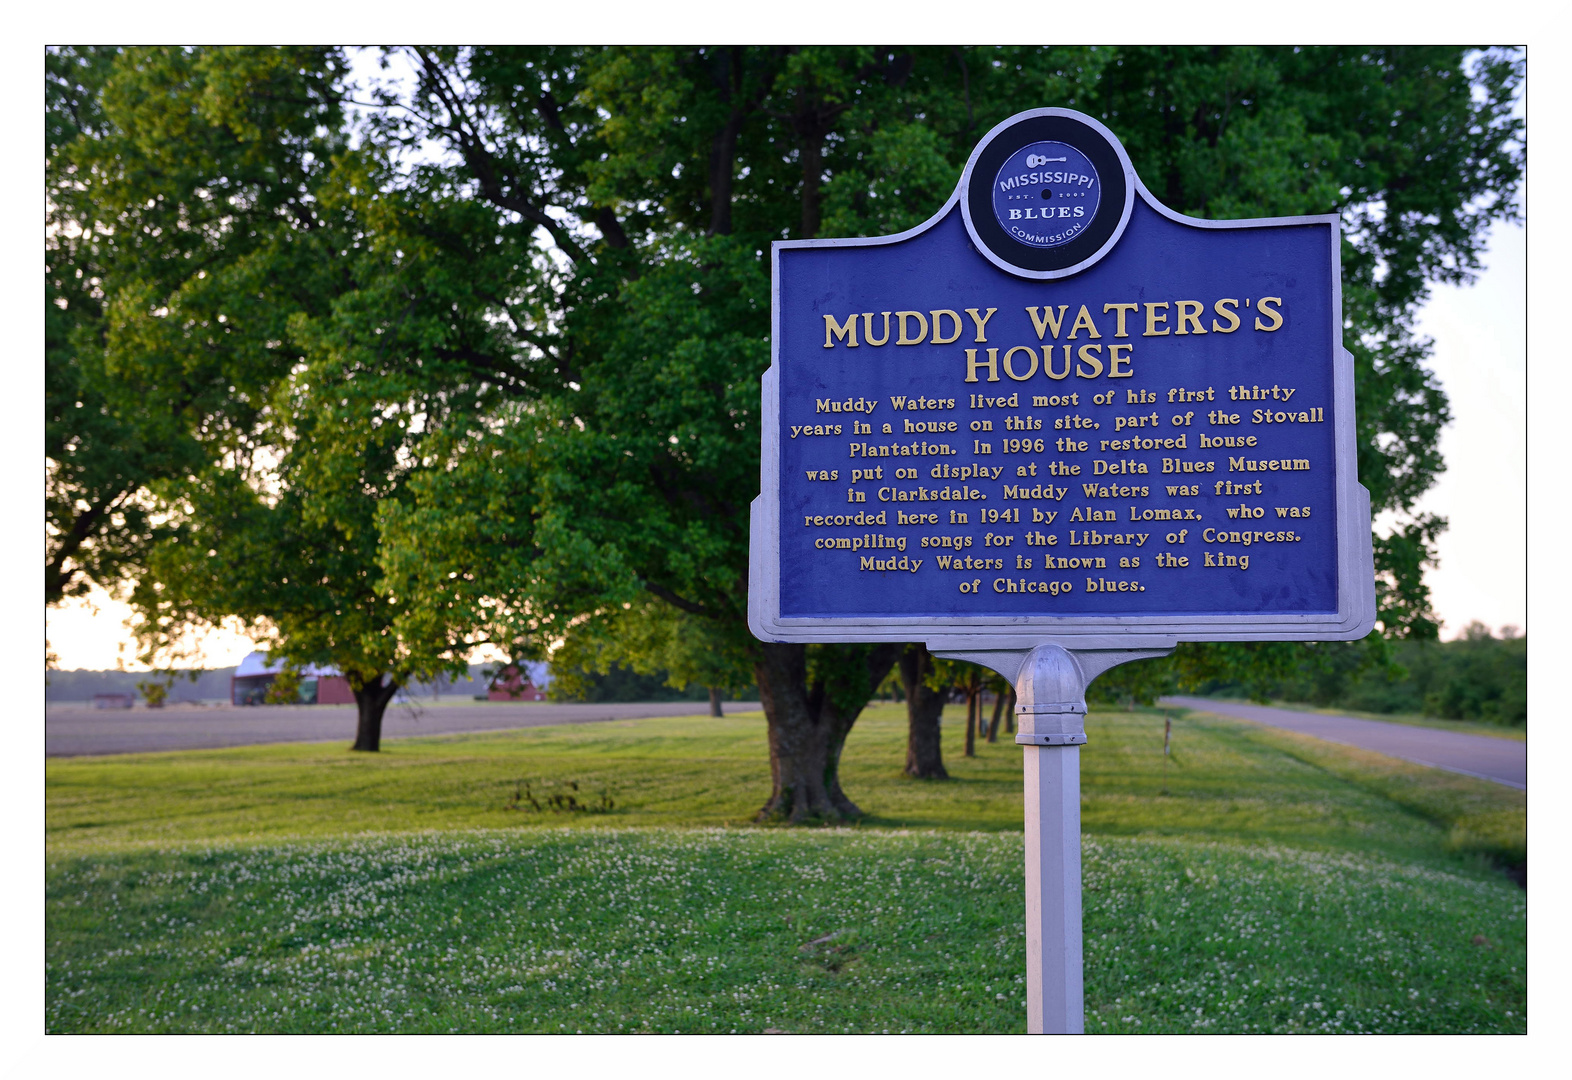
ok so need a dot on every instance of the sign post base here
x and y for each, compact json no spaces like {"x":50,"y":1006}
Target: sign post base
{"x":1053,"y":891}
{"x":1050,"y":691}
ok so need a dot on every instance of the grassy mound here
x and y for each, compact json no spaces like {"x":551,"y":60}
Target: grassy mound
{"x":603,"y":878}
{"x":741,"y":930}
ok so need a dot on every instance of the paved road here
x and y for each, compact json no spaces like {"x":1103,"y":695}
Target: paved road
{"x":1503,"y":760}
{"x":70,"y":732}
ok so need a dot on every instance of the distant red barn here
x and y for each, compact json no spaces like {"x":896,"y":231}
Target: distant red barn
{"x":318,"y":685}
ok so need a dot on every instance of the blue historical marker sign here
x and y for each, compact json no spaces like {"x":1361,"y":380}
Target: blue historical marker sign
{"x":1059,"y":411}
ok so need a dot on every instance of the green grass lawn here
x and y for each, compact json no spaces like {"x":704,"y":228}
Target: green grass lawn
{"x":1269,"y":883}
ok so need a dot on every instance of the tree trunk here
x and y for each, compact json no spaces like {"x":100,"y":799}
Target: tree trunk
{"x":924,"y":707}
{"x":972,"y":711}
{"x":371,"y":701}
{"x":715,"y":701}
{"x":723,"y":144}
{"x":1009,"y":713}
{"x":998,"y":710}
{"x":808,"y":725}
{"x":812,"y":153}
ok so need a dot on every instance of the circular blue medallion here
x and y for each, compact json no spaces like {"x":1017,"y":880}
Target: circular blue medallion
{"x":1046,"y":194}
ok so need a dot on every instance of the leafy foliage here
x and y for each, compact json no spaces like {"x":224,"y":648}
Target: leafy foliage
{"x":1477,"y":677}
{"x":651,"y":639}
{"x":180,"y":239}
{"x":285,"y":687}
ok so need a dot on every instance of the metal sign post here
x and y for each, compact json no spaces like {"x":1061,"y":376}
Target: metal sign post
{"x":1052,"y":730}
{"x":1055,"y":428}
{"x":1050,"y":687}
{"x":1053,"y":891}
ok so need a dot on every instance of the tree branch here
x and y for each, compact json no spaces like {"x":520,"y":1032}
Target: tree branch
{"x":604,"y":217}
{"x":678,"y":602}
{"x":483,"y":166}
{"x":56,"y":576}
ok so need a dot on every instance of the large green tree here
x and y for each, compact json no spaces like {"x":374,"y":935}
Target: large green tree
{"x":549,"y":312}
{"x":215,"y":245}
{"x":678,"y":167}
{"x":177,"y":184}
{"x":660,"y":176}
{"x":172,"y":207}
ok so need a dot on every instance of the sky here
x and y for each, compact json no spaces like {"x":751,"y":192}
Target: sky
{"x":1481,"y":358}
